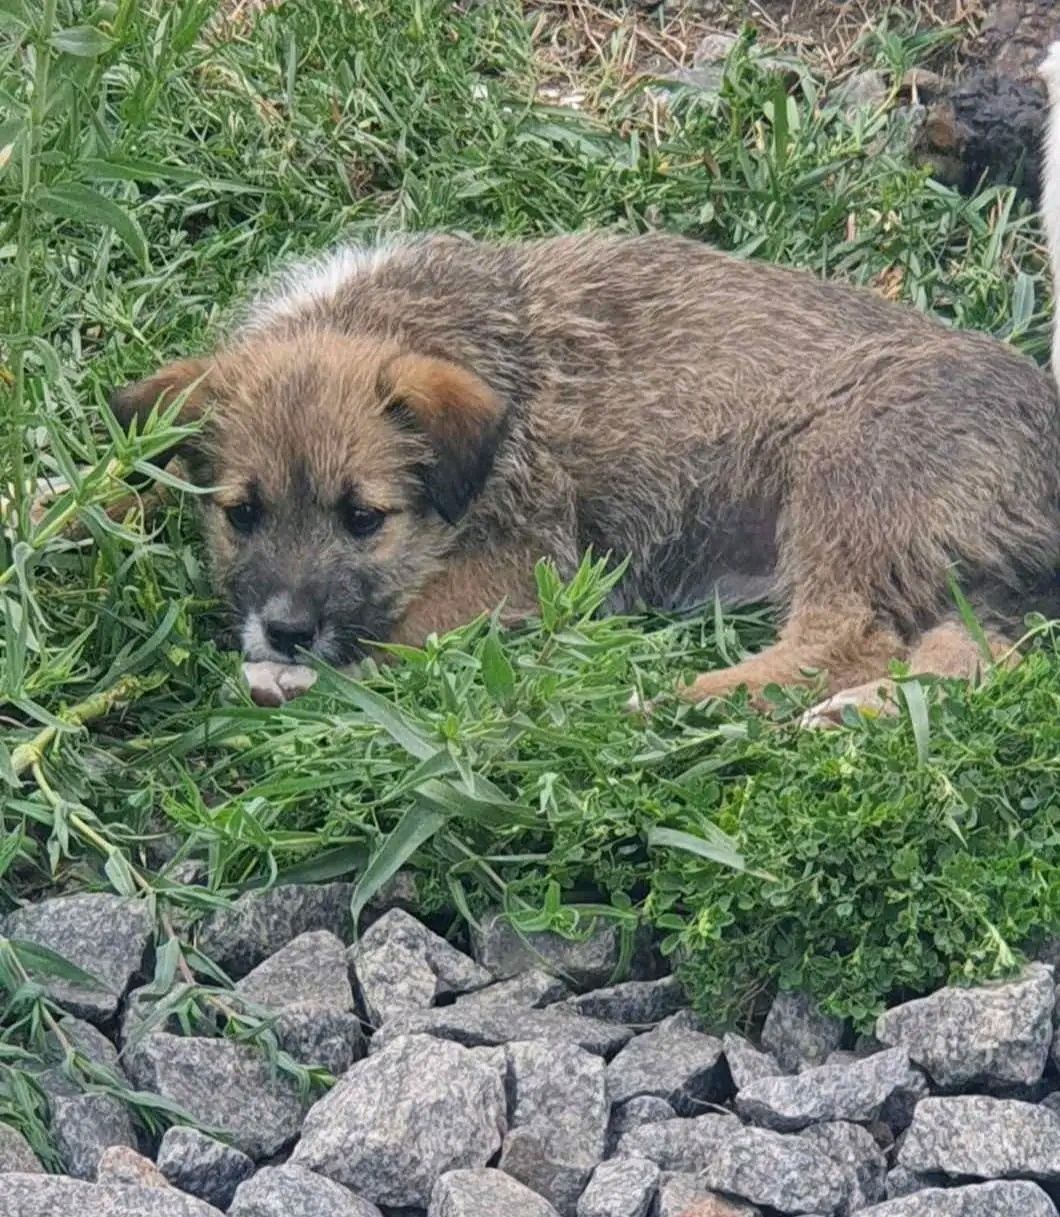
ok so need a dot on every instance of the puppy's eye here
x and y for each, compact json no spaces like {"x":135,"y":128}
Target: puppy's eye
{"x":244,"y":517}
{"x":361,"y":521}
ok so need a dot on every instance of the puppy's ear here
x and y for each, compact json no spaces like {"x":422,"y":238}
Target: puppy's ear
{"x":460,"y":416}
{"x":137,"y":400}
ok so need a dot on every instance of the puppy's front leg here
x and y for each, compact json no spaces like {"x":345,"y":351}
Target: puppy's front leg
{"x":467,"y":588}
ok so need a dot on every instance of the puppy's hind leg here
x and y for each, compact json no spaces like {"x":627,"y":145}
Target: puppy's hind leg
{"x":839,"y":641}
{"x":948,"y":650}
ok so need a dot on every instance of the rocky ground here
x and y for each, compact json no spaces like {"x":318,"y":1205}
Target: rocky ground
{"x":514,"y":1081}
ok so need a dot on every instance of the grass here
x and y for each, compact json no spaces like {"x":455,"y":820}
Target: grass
{"x":157,"y":159}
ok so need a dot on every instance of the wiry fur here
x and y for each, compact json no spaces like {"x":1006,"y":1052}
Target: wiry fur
{"x":1050,"y":72}
{"x":725,"y":424}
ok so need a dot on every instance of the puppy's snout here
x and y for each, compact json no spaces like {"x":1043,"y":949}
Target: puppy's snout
{"x":289,"y":627}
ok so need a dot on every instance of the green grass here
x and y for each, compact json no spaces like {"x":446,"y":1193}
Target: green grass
{"x":153,"y":170}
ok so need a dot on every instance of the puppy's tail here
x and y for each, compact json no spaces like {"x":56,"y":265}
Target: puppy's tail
{"x":1050,"y":193}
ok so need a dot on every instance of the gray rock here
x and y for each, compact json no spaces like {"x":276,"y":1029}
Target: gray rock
{"x":1051,"y":1102}
{"x":88,"y":1042}
{"x":900,"y":1182}
{"x":103,"y":935}
{"x":585,"y":964}
{"x":976,"y":1137}
{"x":855,"y":1149}
{"x":293,"y":1191}
{"x":981,"y":1200}
{"x":482,"y":1025}
{"x":85,"y":1125}
{"x":535,"y":989}
{"x":858,"y":1093}
{"x":637,"y":1003}
{"x":58,"y":1196}
{"x":685,"y":1195}
{"x":558,"y":1120}
{"x":225,"y":1086}
{"x":306,"y":985}
{"x":258,"y":924}
{"x":765,"y":1168}
{"x":485,"y":1193}
{"x":311,"y":970}
{"x":686,"y":1068}
{"x":403,"y":966}
{"x":994,"y":1035}
{"x":201,"y":1166}
{"x":746,"y":1063}
{"x":16,"y":1153}
{"x":865,"y":88}
{"x":635,"y":1113}
{"x":623,"y":1187}
{"x":798,"y":1034}
{"x":401,"y":1119}
{"x":120,"y":1164}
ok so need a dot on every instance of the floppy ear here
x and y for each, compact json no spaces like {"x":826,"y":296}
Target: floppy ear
{"x":462,"y":419}
{"x":137,"y":400}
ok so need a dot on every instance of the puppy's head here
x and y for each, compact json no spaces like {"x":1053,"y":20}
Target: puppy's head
{"x":340,"y":468}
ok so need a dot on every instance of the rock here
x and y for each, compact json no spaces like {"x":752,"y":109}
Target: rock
{"x":900,"y":1182}
{"x":858,"y":1093}
{"x":584,"y":963}
{"x":746,"y":1063}
{"x":684,"y":1195}
{"x":307,"y":984}
{"x":58,"y":1196}
{"x":401,"y":1119}
{"x":122,"y":1165}
{"x":766,"y":1168}
{"x":403,"y":966}
{"x":485,"y":1193}
{"x":201,"y":1166}
{"x":535,"y":989}
{"x":714,"y":48}
{"x":558,"y":1114}
{"x":686,"y":1068}
{"x":16,"y":1153}
{"x":981,"y":1200}
{"x":855,"y":1149}
{"x":226,"y":1086}
{"x":637,"y":1003}
{"x":635,"y":1114}
{"x":87,"y":1041}
{"x":478,"y":1025}
{"x":976,"y":1137}
{"x":623,"y":1187}
{"x":258,"y":924}
{"x":85,"y":1125}
{"x":994,"y":1035}
{"x":798,"y":1034}
{"x":105,"y":936}
{"x":865,"y":88}
{"x":293,"y":1191}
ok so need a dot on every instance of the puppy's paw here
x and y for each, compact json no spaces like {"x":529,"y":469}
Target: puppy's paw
{"x":639,"y":704}
{"x":872,"y":700}
{"x":271,"y":684}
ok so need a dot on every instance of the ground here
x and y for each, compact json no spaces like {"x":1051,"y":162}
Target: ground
{"x":159,"y":159}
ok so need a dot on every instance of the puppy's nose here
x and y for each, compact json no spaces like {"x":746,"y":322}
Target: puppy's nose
{"x":288,"y":634}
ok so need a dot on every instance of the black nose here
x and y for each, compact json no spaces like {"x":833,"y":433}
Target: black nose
{"x":289,"y":634}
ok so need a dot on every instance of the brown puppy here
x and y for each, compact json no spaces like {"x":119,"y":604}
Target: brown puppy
{"x":398,"y":435}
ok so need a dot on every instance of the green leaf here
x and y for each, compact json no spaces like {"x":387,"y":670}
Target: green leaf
{"x":385,"y":714}
{"x":919,"y":720}
{"x":714,"y":845}
{"x":37,"y":959}
{"x":415,"y":827}
{"x":72,"y":201}
{"x":498,"y":675}
{"x":84,"y":41}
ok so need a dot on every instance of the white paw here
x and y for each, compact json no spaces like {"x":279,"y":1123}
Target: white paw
{"x":869,"y":700}
{"x":271,"y":684}
{"x":638,"y":704}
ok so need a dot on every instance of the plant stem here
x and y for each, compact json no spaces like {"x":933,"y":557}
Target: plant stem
{"x":31,"y":155}
{"x":127,"y":689}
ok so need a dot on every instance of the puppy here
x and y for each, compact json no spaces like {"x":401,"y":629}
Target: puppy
{"x":397,"y":435}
